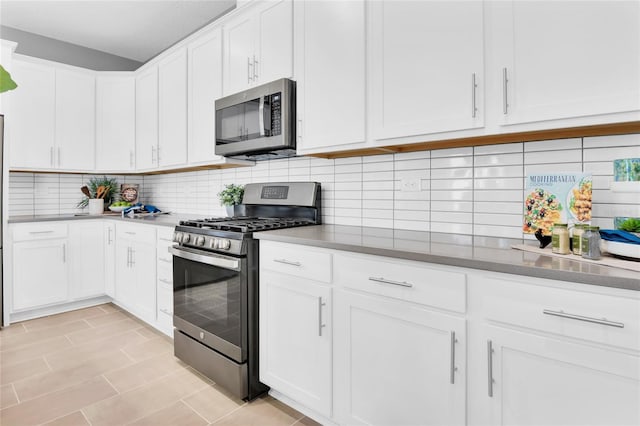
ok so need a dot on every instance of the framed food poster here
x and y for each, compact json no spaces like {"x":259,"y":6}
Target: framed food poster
{"x":556,"y":198}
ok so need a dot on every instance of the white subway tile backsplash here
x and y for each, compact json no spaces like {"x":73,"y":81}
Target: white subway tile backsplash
{"x":468,"y":190}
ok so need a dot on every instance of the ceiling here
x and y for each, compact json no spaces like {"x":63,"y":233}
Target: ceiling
{"x":133,"y":29}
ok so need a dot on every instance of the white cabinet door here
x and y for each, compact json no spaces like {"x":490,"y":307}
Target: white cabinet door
{"x":275,"y":42}
{"x":564,"y":59}
{"x":541,"y":380}
{"x":40,"y":273}
{"x":147,"y":119}
{"x":238,"y":35}
{"x":205,"y":86}
{"x":115,"y":123}
{"x":172,"y":109}
{"x":330,"y":73}
{"x":125,"y":288}
{"x":87,"y":254}
{"x":424,"y":57}
{"x":75,"y":120}
{"x":143,"y":261}
{"x":396,"y":363}
{"x":295,"y":339}
{"x":32,"y":127}
{"x":110,"y":259}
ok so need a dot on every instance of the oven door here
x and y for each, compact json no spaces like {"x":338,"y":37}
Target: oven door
{"x":210,"y":300}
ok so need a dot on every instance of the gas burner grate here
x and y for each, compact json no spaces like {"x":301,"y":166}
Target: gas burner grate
{"x":246,"y":224}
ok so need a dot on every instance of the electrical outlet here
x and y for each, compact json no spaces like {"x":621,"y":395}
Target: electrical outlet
{"x":410,"y":184}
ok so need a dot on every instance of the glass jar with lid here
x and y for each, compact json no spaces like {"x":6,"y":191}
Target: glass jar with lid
{"x":560,"y":238}
{"x":591,"y":243}
{"x":576,"y":238}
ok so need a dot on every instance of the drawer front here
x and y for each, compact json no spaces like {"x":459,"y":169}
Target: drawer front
{"x":595,"y":317}
{"x":165,"y":308}
{"x":165,"y":235}
{"x":165,"y":276}
{"x":410,"y":281}
{"x":39,"y":231}
{"x":140,"y":233}
{"x":292,"y":259}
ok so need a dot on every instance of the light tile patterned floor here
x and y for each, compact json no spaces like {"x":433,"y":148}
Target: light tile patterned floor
{"x":102,"y":366}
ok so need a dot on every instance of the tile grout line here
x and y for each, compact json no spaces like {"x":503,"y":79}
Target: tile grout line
{"x":85,"y":416}
{"x":15,"y":393}
{"x":109,"y":382}
{"x":229,"y":413}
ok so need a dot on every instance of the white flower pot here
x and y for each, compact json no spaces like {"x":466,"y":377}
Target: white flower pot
{"x":96,"y":206}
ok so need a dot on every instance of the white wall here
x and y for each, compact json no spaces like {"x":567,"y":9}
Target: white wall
{"x":476,"y":191}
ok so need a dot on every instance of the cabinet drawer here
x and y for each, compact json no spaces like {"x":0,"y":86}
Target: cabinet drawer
{"x":162,"y":252}
{"x":39,"y":231}
{"x":297,"y":260}
{"x":410,"y":281}
{"x":165,"y":308}
{"x":165,"y":235}
{"x":165,"y":275}
{"x":140,"y":233}
{"x":595,"y":317}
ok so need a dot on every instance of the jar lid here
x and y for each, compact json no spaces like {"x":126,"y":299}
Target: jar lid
{"x":581,"y":225}
{"x":592,"y":228}
{"x":560,"y":225}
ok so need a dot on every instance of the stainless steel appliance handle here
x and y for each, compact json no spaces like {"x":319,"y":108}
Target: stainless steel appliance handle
{"x":490,"y":368}
{"x":261,"y":116}
{"x":452,"y":377}
{"x":386,"y":281}
{"x":206,"y":257}
{"x":602,"y":321}
{"x":320,"y":324}
{"x":505,"y":83}
{"x":474,"y":85}
{"x":287,"y":262}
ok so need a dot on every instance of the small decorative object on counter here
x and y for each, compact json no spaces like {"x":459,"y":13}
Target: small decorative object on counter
{"x":129,"y":193}
{"x":591,"y":243}
{"x":560,"y":239}
{"x":230,"y":197}
{"x":576,"y":238}
{"x":100,"y":188}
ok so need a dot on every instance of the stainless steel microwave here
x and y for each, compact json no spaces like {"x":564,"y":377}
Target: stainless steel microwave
{"x":259,"y":123}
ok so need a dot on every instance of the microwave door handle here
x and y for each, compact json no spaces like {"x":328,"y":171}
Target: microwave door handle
{"x":261,"y":116}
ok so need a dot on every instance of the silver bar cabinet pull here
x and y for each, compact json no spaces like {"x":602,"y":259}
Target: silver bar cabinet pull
{"x":255,"y":73}
{"x":109,"y":229}
{"x":474,"y":85}
{"x":162,"y":259}
{"x":64,"y":253}
{"x":505,"y":81}
{"x":166,"y":311}
{"x":163,"y":280}
{"x":602,"y":321}
{"x":59,"y":157}
{"x":490,"y":367}
{"x":248,"y":70}
{"x":40,"y":232}
{"x":453,"y":358}
{"x":386,"y":281}
{"x":287,"y":262}
{"x":128,"y":257}
{"x":320,"y":324}
{"x":131,"y":158}
{"x":51,"y":157}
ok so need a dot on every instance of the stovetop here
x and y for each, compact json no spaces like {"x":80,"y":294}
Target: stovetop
{"x":245,"y":224}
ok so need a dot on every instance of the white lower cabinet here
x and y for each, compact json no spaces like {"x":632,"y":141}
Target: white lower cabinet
{"x":396,"y":363}
{"x":110,"y":259}
{"x":164,"y":307}
{"x":296,"y":339}
{"x":543,"y":380}
{"x":87,"y":254}
{"x":136,"y":270}
{"x":39,"y":267}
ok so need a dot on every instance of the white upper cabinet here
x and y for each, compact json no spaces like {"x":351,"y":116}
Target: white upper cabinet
{"x":53,"y":124}
{"x":172,"y":109}
{"x":565,"y":59}
{"x":205,"y":86}
{"x":32,"y":127}
{"x":115,"y":123}
{"x":258,"y":46}
{"x":75,"y":120}
{"x":330,"y":74}
{"x":147,"y":118}
{"x":426,"y":67}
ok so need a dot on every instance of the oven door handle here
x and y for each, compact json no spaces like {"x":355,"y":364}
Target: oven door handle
{"x":206,"y":257}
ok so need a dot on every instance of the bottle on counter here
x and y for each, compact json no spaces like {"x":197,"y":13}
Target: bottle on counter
{"x":560,"y":239}
{"x":591,"y":243}
{"x":576,"y":238}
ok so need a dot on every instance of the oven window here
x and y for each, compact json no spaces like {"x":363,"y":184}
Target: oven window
{"x":210,"y":298}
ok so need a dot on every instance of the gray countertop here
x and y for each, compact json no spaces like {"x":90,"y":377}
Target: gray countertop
{"x":477,"y":252}
{"x":160,"y":220}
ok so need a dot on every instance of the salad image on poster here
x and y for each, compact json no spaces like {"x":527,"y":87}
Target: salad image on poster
{"x":556,"y":198}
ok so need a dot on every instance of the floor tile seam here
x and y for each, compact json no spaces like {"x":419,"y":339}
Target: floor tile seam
{"x":85,"y":416}
{"x":15,"y":393}
{"x":26,"y":345}
{"x":155,"y":379}
{"x":229,"y":413}
{"x":128,"y":356}
{"x":193,"y":409}
{"x":70,"y":321}
{"x":109,"y":382}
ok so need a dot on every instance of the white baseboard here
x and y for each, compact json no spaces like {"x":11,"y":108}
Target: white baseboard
{"x":57,"y":309}
{"x":301,"y":408}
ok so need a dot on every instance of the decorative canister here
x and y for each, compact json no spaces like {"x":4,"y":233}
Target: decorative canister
{"x":626,"y":170}
{"x":96,"y":206}
{"x":560,"y":239}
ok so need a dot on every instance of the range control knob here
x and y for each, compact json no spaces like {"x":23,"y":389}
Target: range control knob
{"x":186,"y":237}
{"x":224,"y":244}
{"x":200,"y":240}
{"x":177,"y":237}
{"x":213,"y":243}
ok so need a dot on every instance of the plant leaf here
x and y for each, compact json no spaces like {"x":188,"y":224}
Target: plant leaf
{"x":6,"y":82}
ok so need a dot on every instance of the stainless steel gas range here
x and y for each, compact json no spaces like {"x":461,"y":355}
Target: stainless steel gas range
{"x":216,"y":283}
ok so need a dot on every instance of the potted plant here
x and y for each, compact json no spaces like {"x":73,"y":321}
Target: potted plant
{"x":230,"y":197}
{"x":108,"y":193}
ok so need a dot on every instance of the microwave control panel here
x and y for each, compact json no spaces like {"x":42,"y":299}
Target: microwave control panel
{"x":276,"y":114}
